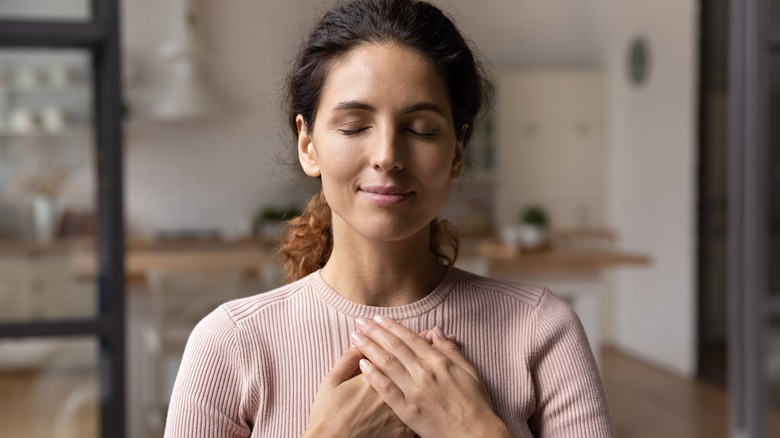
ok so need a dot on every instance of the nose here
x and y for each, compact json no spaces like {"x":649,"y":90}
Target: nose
{"x":386,"y":153}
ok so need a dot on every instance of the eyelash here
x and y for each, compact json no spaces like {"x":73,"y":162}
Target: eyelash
{"x":426,"y":135}
{"x":354,"y":132}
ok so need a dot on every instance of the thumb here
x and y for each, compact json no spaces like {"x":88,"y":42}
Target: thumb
{"x":446,"y":346}
{"x":345,"y":368}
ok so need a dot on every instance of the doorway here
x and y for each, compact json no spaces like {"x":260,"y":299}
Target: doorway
{"x":62,"y":348}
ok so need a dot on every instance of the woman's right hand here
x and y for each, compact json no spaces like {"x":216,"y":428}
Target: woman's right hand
{"x":346,"y":405}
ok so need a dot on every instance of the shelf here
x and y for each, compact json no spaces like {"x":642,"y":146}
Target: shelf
{"x":70,"y":89}
{"x":69,"y":132}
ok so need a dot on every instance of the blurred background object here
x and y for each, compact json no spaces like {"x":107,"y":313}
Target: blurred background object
{"x":611,"y":117}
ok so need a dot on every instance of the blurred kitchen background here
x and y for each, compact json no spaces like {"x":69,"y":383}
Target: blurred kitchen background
{"x":601,"y":172}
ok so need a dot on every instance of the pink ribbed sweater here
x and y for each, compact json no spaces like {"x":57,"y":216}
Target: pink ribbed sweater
{"x":252,"y":367}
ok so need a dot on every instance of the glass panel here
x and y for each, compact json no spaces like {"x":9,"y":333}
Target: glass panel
{"x":69,"y":10}
{"x":47,"y":201}
{"x":774,"y":178}
{"x":48,"y":387}
{"x":773,"y":370}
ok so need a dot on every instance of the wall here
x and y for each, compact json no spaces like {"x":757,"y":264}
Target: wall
{"x":651,"y":177}
{"x":215,"y":174}
{"x":551,"y":154}
{"x":212,"y":174}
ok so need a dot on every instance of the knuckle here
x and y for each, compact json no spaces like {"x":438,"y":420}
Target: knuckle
{"x":384,"y":386}
{"x":427,"y":376}
{"x":395,"y":343}
{"x":413,"y":412}
{"x":386,"y":360}
{"x":440,"y":363}
{"x":409,"y":337}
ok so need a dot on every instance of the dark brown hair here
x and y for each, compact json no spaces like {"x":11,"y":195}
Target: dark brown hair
{"x":411,"y":23}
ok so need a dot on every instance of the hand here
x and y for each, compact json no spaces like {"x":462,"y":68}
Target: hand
{"x":347,"y":406}
{"x":432,"y":388}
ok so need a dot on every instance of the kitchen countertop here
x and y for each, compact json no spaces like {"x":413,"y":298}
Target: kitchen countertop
{"x":250,"y":255}
{"x":142,"y":255}
{"x":503,"y":259}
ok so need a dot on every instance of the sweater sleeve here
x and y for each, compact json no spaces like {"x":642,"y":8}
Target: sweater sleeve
{"x":570,"y":399}
{"x":207,"y":398}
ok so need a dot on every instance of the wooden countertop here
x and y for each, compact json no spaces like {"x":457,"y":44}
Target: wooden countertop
{"x":566,"y":261}
{"x":503,"y":259}
{"x":141,"y":256}
{"x":144,"y":256}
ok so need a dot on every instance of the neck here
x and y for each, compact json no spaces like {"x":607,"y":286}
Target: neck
{"x":383,"y":274}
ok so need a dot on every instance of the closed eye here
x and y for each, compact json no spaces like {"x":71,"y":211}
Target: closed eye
{"x":352,"y":132}
{"x":422,"y":134}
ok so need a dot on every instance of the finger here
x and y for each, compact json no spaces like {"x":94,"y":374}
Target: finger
{"x":418,"y":346}
{"x":387,"y":390}
{"x":428,"y":335}
{"x":345,"y":368}
{"x":388,"y":360}
{"x":450,"y":349}
{"x":397,"y":344}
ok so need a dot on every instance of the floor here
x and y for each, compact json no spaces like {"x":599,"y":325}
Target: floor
{"x":649,"y":403}
{"x":51,"y":405}
{"x":645,"y":401}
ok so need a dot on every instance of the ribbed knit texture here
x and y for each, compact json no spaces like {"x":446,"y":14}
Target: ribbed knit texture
{"x":252,"y":367}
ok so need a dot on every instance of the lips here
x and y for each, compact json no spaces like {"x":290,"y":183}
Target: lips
{"x":386,"y":195}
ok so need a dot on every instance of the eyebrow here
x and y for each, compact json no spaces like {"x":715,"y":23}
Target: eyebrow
{"x":362,"y":106}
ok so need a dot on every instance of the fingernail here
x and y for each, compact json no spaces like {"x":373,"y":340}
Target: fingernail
{"x":439,"y":332}
{"x":451,"y":338}
{"x":361,"y":322}
{"x":380,"y":319}
{"x":429,"y":336}
{"x":357,"y":337}
{"x":364,"y":365}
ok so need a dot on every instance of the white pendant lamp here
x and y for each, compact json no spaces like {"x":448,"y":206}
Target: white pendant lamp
{"x":188,"y":95}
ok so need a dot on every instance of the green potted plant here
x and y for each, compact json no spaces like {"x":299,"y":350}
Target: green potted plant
{"x":533,"y":227}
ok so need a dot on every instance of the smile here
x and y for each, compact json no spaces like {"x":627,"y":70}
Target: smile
{"x":386,"y":196}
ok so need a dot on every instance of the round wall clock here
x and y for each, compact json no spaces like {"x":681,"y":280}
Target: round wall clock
{"x":638,"y":61}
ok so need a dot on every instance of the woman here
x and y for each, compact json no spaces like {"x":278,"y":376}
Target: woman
{"x":383,"y":98}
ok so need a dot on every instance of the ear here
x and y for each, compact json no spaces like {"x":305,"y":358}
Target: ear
{"x":307,"y":154}
{"x":458,"y":157}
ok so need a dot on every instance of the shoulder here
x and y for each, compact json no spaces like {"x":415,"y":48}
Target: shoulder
{"x":284,"y":297}
{"x":525,"y":294}
{"x":548,"y":313}
{"x":226,"y":328}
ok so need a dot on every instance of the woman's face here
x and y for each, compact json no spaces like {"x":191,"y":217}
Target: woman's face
{"x":383,"y":142}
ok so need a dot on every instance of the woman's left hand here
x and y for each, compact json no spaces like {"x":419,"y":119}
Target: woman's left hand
{"x":431,"y":387}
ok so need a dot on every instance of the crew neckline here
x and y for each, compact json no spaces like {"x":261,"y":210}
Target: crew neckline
{"x":424,"y":305}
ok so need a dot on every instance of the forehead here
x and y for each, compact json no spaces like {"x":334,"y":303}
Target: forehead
{"x":384,"y":75}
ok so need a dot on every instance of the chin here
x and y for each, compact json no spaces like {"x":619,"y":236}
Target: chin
{"x":395,"y":231}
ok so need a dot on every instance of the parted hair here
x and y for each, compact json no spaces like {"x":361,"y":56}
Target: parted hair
{"x":411,"y":23}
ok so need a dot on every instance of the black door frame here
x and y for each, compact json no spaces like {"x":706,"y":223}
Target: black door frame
{"x":100,"y":36}
{"x":752,"y":43}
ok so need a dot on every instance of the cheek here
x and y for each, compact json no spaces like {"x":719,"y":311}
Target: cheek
{"x":338,"y":160}
{"x":438,"y":166}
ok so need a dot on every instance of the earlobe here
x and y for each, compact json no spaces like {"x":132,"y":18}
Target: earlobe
{"x":307,"y":153}
{"x":457,"y":160}
{"x":457,"y":167}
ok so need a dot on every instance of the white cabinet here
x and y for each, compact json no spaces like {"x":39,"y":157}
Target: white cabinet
{"x":35,"y":286}
{"x":550,"y":128}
